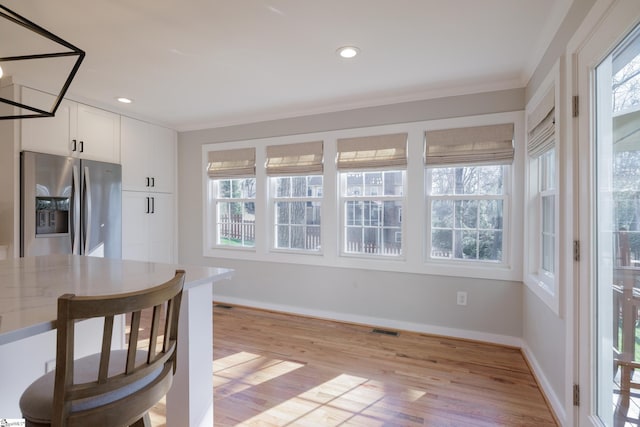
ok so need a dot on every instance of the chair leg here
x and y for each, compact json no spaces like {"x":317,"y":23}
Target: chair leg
{"x":145,"y":421}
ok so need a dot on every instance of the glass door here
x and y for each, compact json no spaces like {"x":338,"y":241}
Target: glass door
{"x":616,"y":237}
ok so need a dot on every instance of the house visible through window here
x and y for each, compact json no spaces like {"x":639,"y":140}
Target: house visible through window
{"x":372,"y":181}
{"x":467,"y":192}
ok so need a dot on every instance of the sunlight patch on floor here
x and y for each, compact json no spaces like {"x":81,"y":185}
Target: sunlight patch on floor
{"x":240,"y":371}
{"x":358,"y":400}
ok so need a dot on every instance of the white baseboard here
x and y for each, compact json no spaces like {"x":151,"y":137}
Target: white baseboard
{"x":551,"y":396}
{"x":376,"y":321}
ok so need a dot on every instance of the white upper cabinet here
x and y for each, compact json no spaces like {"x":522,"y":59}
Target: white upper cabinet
{"x":52,"y":135}
{"x":76,"y":130}
{"x":98,"y":134}
{"x":148,"y":157}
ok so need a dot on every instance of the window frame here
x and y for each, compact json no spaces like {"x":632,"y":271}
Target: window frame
{"x":215,"y":200}
{"x":344,"y":199}
{"x":547,"y":276}
{"x":505,"y":197}
{"x":545,"y":286}
{"x":273,"y":199}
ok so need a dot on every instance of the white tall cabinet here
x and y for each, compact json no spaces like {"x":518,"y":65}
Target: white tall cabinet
{"x":148,"y":182}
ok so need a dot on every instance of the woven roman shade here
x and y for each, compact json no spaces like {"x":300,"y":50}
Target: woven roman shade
{"x":379,"y":151}
{"x":230,"y":163}
{"x":541,"y":125}
{"x":491,"y":144}
{"x":295,"y":159}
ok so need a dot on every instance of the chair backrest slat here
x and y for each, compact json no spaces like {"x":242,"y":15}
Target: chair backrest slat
{"x":105,"y":353}
{"x":155,"y":330}
{"x":168,"y":326}
{"x":133,"y":341}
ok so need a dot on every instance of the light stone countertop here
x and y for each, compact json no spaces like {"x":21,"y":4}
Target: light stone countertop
{"x":30,"y":287}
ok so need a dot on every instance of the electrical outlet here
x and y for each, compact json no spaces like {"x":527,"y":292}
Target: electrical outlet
{"x":49,"y":365}
{"x":462,"y":298}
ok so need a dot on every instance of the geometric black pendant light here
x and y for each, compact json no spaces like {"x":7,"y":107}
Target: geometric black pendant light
{"x":31,"y":111}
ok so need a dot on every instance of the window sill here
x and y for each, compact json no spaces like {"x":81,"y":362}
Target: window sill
{"x":376,"y":263}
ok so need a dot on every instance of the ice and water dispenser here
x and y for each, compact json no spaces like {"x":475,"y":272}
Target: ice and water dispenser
{"x":52,"y":215}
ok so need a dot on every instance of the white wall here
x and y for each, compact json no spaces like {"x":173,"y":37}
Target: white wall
{"x":402,"y":300}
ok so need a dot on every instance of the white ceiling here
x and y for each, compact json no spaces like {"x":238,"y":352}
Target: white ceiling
{"x":192,"y":64}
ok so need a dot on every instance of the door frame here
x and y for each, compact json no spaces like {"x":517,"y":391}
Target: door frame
{"x":607,"y":24}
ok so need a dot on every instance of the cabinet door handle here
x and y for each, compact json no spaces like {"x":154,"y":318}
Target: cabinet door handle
{"x":82,"y":146}
{"x":153,"y":205}
{"x":153,"y":182}
{"x":148,"y":205}
{"x":75,"y":145}
{"x":147,"y":178}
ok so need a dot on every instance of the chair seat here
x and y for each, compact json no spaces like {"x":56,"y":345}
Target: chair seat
{"x":36,"y":402}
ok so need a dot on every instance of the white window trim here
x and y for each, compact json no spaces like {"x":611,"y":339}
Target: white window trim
{"x":413,"y":221}
{"x":544,"y":287}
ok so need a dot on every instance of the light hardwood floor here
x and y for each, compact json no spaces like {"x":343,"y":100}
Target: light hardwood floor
{"x":273,"y":369}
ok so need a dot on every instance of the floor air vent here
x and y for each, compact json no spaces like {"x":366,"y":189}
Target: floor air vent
{"x":226,"y":307}
{"x":385,"y":332}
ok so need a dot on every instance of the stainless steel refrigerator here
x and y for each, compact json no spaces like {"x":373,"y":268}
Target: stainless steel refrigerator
{"x":70,"y":206}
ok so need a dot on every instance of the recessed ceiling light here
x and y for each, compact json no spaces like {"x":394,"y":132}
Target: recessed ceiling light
{"x":348,"y":51}
{"x":124,"y":100}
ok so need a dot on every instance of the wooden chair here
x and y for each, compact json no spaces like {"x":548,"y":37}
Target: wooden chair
{"x":112,"y":387}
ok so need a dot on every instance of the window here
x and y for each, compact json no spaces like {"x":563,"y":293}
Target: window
{"x":541,"y":217}
{"x":467,"y":195}
{"x":297,"y":212}
{"x":547,"y":209}
{"x":232,"y":189}
{"x":296,"y":199}
{"x":373,"y":211}
{"x":372,"y":200}
{"x":467,"y":211}
{"x":235,"y":212}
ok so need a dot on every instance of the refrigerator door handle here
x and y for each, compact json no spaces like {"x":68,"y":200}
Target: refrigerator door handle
{"x":87,"y":205}
{"x":75,"y":211}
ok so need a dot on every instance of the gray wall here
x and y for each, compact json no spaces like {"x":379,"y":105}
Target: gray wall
{"x":576,"y":14}
{"x":502,"y":308}
{"x":420,"y":302}
{"x":545,"y":334}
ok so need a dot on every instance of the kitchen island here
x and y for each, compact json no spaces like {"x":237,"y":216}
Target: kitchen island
{"x":30,"y":287}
